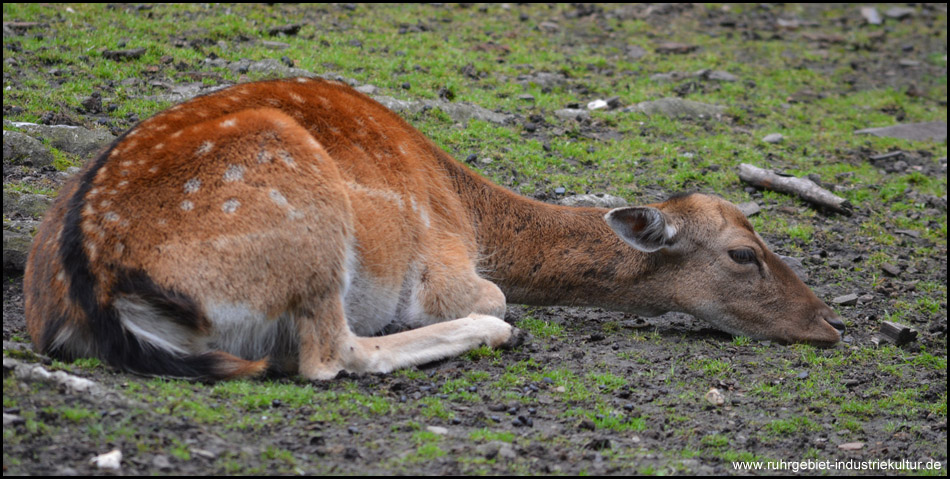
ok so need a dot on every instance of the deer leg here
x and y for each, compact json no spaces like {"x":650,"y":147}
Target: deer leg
{"x":426,"y":344}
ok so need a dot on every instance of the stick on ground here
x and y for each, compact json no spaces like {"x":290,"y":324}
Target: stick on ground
{"x":802,"y":187}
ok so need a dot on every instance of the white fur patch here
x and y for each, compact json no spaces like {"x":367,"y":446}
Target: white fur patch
{"x":151,"y":327}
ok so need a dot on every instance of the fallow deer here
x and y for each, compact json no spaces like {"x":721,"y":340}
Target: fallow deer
{"x":290,"y":225}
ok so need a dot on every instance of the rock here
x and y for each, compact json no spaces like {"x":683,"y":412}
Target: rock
{"x":601,"y":200}
{"x":273,"y":45}
{"x":25,"y":204}
{"x":749,"y":208}
{"x":459,"y":112}
{"x":12,"y":420}
{"x":933,"y":131}
{"x":542,"y":79}
{"x":773,"y":138}
{"x":597,"y":104}
{"x":17,"y":241}
{"x":493,"y":449}
{"x":714,"y":397}
{"x":119,"y":55}
{"x":635,"y":52}
{"x":22,"y":149}
{"x":900,"y":13}
{"x":71,"y":139}
{"x":437,"y":430}
{"x":678,"y":107}
{"x":851,"y":446}
{"x":161,"y":462}
{"x":871,"y":16}
{"x":890,"y":270}
{"x":675,"y":48}
{"x":846,"y":300}
{"x":109,"y":460}
{"x":572,"y":114}
{"x":367,"y":89}
{"x":717,"y":75}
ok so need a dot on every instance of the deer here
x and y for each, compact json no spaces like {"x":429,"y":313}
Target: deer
{"x":298,"y":226}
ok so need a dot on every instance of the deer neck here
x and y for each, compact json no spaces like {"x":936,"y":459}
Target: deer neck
{"x":542,"y":254}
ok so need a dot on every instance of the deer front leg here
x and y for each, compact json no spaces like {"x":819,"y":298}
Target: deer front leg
{"x":429,"y":343}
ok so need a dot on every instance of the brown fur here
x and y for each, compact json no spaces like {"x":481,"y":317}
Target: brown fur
{"x":297,"y":201}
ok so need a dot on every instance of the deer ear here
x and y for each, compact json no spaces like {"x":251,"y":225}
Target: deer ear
{"x":646,"y":229}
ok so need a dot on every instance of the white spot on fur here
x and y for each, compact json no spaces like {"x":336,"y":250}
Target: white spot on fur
{"x":158,"y":146}
{"x":302,"y":80}
{"x":230,"y":206}
{"x":230,"y":122}
{"x":387,"y":195}
{"x":176,"y":134}
{"x":105,"y":203}
{"x":295,"y":97}
{"x":123,"y":184}
{"x":234,"y":173}
{"x":204,"y":148}
{"x":61,"y":277}
{"x":187,"y":205}
{"x":111,"y":216}
{"x":153,"y":169}
{"x":192,"y":185}
{"x":286,"y":157}
{"x":276,"y":197}
{"x":93,"y":192}
{"x":119,"y":248}
{"x":264,"y":156}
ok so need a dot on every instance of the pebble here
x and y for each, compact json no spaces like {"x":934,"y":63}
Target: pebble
{"x":773,"y":138}
{"x":846,"y":300}
{"x":714,"y":397}
{"x":109,"y":460}
{"x":437,"y":430}
{"x":891,"y":270}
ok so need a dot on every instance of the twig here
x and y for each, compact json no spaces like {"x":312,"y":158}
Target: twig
{"x":802,"y":187}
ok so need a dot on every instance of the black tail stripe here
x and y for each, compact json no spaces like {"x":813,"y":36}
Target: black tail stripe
{"x":116,"y":346}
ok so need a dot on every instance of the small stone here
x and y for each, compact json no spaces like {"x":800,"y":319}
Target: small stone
{"x":714,"y":397}
{"x":773,"y":138}
{"x":851,"y":446}
{"x":12,"y":420}
{"x":437,"y":430}
{"x":597,"y":104}
{"x":927,"y":131}
{"x":871,"y":15}
{"x":900,"y":13}
{"x":846,"y":300}
{"x":749,"y":208}
{"x":572,"y":114}
{"x":161,"y":462}
{"x":890,"y":270}
{"x":109,"y":460}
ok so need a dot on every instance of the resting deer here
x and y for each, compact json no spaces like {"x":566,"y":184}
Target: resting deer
{"x":290,"y":225}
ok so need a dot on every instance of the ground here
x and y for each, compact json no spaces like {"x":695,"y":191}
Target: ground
{"x":592,"y":391}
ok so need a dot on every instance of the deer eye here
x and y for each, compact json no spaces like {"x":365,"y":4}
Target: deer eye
{"x":743,"y":256}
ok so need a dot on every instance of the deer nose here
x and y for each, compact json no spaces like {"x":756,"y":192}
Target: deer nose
{"x":835,"y":321}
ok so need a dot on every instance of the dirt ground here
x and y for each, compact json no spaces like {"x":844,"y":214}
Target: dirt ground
{"x":520,"y":417}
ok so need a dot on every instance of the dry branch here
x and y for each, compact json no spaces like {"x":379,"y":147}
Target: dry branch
{"x":802,"y":187}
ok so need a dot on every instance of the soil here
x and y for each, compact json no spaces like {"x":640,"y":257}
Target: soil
{"x":546,"y":435}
